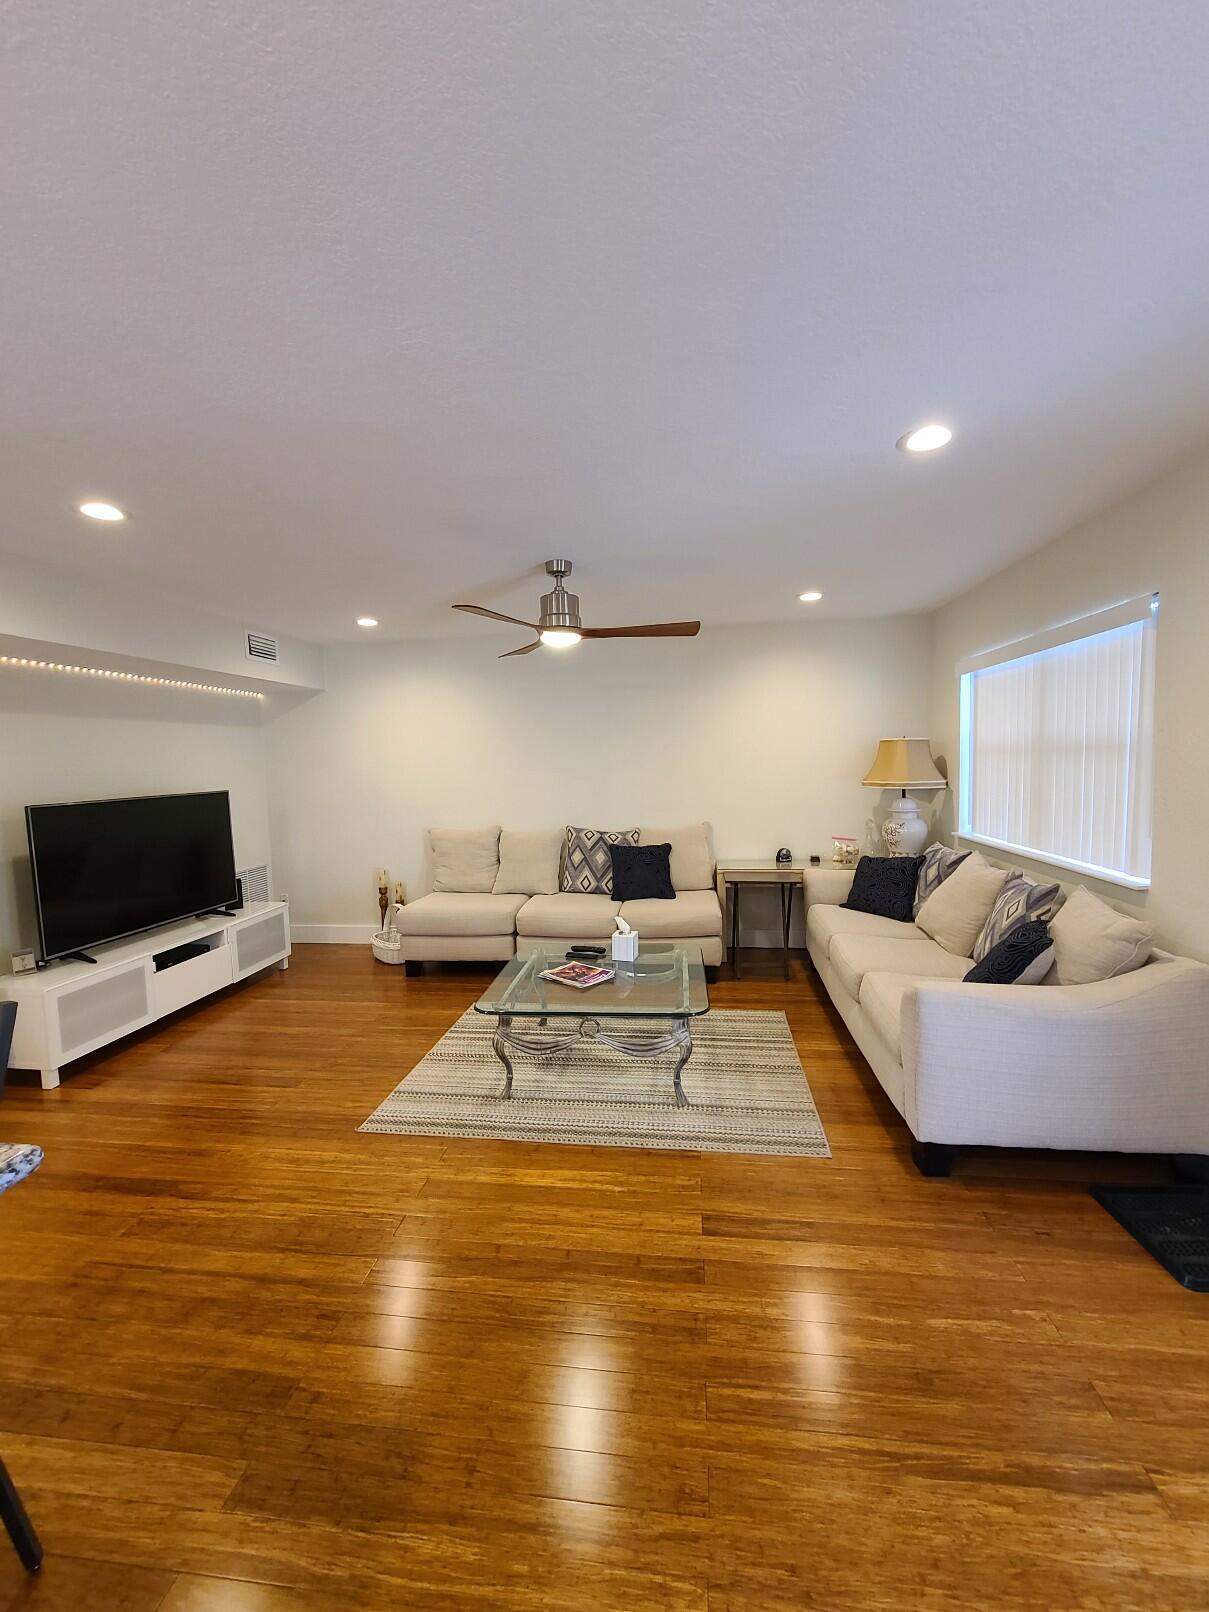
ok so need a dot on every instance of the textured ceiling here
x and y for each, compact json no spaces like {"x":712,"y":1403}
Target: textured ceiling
{"x":373,"y":306}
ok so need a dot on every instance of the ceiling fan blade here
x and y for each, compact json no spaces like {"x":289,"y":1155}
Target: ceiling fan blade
{"x":481,"y":610}
{"x":525,"y":649}
{"x":652,"y":629}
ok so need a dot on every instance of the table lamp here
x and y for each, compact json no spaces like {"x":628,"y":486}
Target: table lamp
{"x":904,"y":764}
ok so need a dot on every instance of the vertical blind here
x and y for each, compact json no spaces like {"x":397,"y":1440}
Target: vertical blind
{"x":1057,"y":745}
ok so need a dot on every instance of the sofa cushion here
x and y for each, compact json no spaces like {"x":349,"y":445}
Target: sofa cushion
{"x":956,"y":911}
{"x":939,"y":861}
{"x":884,"y":885}
{"x":1021,"y":900}
{"x":882,"y":999}
{"x":854,"y":956}
{"x":466,"y":860}
{"x":642,"y":872}
{"x":568,"y":917}
{"x":824,"y":923}
{"x":450,"y":913}
{"x":588,"y":869}
{"x":1093,"y":941}
{"x":692,"y":914}
{"x":692,"y":859}
{"x":528,"y":862}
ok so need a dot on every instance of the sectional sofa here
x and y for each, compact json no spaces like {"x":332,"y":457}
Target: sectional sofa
{"x":489,"y":910}
{"x":1114,"y":1065}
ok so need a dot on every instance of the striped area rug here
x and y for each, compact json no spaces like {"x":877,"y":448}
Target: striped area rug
{"x":745,"y":1084}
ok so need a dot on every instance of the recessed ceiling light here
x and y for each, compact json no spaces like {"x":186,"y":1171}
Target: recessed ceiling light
{"x":101,"y":512}
{"x":367,"y":621}
{"x":925,"y":439}
{"x":811,"y":596}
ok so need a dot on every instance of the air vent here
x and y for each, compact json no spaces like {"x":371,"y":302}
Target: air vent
{"x":261,"y":646}
{"x":255,"y":883}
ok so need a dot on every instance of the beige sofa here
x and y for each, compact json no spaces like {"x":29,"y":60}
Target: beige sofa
{"x":455,"y":926}
{"x":1115,"y":1066}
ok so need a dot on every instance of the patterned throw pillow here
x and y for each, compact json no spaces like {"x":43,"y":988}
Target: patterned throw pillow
{"x":589,"y":867}
{"x":884,"y":886}
{"x":1024,"y":956}
{"x":938,"y":862}
{"x":1022,"y":900}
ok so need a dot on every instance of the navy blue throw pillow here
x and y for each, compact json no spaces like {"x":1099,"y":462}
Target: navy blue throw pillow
{"x":1023,"y":957}
{"x":885,"y":886}
{"x":642,"y":872}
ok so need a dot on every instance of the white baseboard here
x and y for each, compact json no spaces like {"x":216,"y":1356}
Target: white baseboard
{"x":332,"y":934}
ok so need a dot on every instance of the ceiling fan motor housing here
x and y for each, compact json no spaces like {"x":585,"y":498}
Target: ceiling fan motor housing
{"x":559,"y":609}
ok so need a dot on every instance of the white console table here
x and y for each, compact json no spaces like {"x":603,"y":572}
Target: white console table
{"x":68,"y":1009}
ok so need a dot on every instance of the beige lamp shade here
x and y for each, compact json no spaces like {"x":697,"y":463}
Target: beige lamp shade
{"x":904,"y":764}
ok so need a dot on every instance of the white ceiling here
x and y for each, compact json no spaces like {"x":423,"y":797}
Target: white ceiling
{"x":374,"y":306}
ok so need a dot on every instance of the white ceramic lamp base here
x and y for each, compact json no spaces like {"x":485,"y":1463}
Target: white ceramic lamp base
{"x":904,"y":830}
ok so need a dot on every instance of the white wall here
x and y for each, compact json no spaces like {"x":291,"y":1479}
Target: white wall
{"x":64,"y":738}
{"x":764,"y":732}
{"x":1156,"y":539}
{"x":42,"y":606}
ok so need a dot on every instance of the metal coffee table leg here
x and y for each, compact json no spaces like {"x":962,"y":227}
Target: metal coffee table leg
{"x":686,"y":1052}
{"x":502,"y":1026}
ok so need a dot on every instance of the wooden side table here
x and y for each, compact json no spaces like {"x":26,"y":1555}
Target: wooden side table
{"x":766,"y":870}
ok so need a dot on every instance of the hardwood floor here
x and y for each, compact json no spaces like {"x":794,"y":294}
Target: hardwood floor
{"x":252,"y":1361}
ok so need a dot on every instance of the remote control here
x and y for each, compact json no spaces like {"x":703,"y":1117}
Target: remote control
{"x":576,"y":952}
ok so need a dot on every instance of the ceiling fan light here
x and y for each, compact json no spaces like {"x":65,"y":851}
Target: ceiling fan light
{"x":560,"y":637}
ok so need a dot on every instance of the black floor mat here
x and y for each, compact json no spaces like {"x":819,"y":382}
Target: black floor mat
{"x":1171,"y":1223}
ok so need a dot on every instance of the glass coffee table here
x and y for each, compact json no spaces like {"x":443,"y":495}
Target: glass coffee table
{"x":661,"y":992}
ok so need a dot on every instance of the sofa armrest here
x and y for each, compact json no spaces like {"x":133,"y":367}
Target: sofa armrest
{"x":827,"y":886}
{"x":1117,"y":1066}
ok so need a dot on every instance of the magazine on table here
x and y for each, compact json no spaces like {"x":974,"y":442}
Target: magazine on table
{"x":580,"y":975}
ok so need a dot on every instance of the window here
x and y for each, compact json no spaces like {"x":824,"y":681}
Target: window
{"x":1057,"y":745}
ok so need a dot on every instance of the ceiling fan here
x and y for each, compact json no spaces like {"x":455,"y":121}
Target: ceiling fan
{"x":558,"y":625}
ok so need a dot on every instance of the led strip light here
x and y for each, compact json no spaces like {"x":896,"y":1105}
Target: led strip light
{"x":129,"y":677}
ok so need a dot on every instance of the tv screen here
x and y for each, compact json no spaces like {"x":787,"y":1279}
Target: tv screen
{"x":104,"y":869}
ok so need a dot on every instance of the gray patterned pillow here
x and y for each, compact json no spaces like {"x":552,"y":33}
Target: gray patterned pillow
{"x":1022,"y":900}
{"x":589,"y":865}
{"x":939,"y":861}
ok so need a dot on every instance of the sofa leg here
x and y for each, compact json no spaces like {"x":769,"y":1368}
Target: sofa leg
{"x":933,"y":1158}
{"x":711,"y":973}
{"x":1192,"y":1168}
{"x":413,"y":968}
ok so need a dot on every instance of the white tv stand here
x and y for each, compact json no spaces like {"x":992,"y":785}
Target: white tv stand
{"x":68,"y":1009}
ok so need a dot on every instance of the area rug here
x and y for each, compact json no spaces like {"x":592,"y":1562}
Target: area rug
{"x":745,"y":1084}
{"x":1171,"y":1223}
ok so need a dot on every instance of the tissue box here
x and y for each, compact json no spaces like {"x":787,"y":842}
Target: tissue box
{"x":625,"y":947}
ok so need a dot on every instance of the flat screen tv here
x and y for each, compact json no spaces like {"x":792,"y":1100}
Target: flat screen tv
{"x":105,"y":869}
